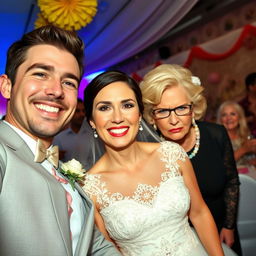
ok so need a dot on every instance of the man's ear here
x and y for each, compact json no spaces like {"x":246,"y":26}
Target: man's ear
{"x":5,"y":86}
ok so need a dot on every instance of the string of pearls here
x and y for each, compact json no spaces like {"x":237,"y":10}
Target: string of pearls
{"x":197,"y":144}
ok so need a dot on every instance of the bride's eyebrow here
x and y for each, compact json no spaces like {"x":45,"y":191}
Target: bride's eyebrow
{"x":127,"y":100}
{"x":103,"y":102}
{"x":109,"y":102}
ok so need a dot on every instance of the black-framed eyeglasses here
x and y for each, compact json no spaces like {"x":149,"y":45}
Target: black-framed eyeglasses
{"x":182,"y":110}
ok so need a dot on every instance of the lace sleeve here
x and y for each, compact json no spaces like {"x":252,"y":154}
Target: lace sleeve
{"x":232,"y":184}
{"x":172,"y":152}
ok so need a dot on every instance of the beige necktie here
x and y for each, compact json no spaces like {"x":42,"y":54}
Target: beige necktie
{"x":52,"y":154}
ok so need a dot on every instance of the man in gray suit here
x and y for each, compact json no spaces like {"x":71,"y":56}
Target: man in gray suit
{"x":40,"y":213}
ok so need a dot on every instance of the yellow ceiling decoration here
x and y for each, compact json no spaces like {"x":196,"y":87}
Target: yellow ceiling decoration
{"x":67,"y":14}
{"x":41,"y":21}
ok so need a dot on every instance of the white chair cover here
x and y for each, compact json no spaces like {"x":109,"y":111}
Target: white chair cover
{"x":246,"y":221}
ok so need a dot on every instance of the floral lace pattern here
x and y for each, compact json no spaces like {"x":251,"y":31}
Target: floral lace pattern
{"x":144,"y":193}
{"x":152,"y":221}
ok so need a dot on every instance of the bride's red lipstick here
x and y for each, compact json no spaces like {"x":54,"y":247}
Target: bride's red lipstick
{"x":122,"y":130}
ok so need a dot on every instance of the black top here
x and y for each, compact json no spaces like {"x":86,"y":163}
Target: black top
{"x":216,"y":173}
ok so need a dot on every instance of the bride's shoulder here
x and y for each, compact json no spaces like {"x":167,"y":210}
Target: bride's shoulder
{"x":170,"y":145}
{"x":98,"y":168}
{"x":163,"y":146}
{"x":173,"y":150}
{"x":93,"y":175}
{"x":92,"y":183}
{"x":149,"y":147}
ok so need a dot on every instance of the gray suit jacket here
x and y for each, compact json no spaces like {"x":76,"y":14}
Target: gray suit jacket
{"x":33,"y":208}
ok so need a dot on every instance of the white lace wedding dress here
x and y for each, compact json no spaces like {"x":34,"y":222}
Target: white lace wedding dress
{"x":153,"y":221}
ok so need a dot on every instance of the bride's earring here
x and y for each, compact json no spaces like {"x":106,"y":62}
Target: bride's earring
{"x":95,"y":134}
{"x":140,"y":127}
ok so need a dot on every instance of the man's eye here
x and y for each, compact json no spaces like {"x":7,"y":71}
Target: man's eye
{"x":39,"y":74}
{"x":70,"y":84}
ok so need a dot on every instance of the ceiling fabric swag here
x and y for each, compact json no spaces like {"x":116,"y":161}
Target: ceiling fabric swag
{"x":142,"y":23}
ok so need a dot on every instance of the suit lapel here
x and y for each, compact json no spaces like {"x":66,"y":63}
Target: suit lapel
{"x":56,"y":191}
{"x":59,"y":203}
{"x":88,"y":225}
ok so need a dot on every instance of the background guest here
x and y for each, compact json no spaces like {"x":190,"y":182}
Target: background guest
{"x":231,"y":115}
{"x":76,"y":140}
{"x":249,"y":102}
{"x":173,"y":100}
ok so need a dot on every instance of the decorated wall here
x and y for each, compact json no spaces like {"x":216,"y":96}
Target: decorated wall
{"x":223,"y":73}
{"x":221,"y":53}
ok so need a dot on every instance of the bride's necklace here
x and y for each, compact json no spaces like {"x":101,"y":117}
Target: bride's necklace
{"x":197,"y":144}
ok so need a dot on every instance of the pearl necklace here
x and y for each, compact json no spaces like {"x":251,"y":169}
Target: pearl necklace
{"x":196,"y":147}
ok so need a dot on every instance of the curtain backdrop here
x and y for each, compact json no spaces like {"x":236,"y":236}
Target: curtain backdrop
{"x":137,"y":27}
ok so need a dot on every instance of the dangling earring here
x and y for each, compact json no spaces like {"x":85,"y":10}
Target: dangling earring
{"x":140,"y":126}
{"x":194,"y":122}
{"x":154,"y":126}
{"x":95,"y":134}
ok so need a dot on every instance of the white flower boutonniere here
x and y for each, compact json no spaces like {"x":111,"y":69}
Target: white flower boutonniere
{"x":73,"y":170}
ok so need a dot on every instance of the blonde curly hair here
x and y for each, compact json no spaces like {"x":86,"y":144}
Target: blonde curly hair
{"x":166,"y":76}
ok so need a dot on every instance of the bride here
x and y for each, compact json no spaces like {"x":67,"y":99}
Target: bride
{"x":143,"y":192}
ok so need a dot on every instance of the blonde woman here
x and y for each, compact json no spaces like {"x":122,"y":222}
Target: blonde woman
{"x":232,"y":116}
{"x":173,"y":100}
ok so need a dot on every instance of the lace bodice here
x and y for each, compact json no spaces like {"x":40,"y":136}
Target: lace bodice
{"x":152,"y":221}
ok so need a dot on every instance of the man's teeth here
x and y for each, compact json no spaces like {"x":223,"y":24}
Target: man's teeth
{"x":118,"y":131}
{"x":47,"y":108}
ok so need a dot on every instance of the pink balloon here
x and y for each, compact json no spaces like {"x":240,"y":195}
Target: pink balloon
{"x":214,"y":78}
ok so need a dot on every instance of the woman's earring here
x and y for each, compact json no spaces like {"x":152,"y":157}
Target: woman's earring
{"x":193,"y":121}
{"x":140,"y":126}
{"x":154,"y":126}
{"x":95,"y":134}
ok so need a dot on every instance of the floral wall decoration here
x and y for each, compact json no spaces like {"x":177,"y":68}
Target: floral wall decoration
{"x":223,"y":74}
{"x":221,"y":26}
{"x":67,"y":14}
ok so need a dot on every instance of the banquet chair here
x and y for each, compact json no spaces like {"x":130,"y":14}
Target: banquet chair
{"x":246,"y":222}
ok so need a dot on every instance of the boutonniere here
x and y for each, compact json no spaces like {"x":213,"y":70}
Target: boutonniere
{"x":73,"y":170}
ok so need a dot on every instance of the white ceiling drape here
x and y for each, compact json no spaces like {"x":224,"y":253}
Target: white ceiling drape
{"x":140,"y":24}
{"x":120,"y":29}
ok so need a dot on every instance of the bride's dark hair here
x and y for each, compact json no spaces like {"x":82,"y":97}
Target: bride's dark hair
{"x":104,"y":79}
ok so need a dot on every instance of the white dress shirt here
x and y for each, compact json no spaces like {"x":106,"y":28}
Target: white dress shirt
{"x":77,"y":145}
